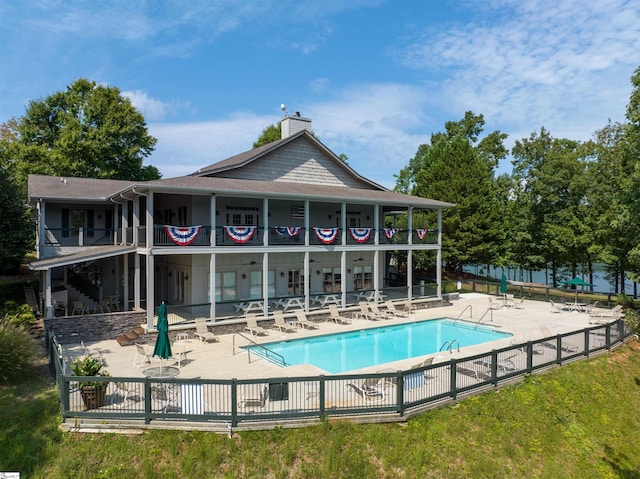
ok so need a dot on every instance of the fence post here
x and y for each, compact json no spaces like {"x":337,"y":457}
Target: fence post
{"x":454,"y":387}
{"x":321,"y":395}
{"x":400,"y":392}
{"x":494,"y":367}
{"x":147,"y":401}
{"x":529,"y":357}
{"x":234,"y":402}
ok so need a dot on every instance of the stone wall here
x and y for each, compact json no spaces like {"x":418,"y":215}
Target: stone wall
{"x":94,"y":327}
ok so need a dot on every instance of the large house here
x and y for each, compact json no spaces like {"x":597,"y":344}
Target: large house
{"x":284,"y":225}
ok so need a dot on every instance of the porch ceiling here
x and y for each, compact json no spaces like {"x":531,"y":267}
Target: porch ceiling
{"x":99,"y":252}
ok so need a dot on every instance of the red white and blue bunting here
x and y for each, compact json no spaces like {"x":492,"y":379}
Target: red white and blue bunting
{"x":288,"y":230}
{"x":326,"y":235}
{"x":421,"y":232}
{"x":361,"y":235}
{"x":240,"y":234}
{"x":390,"y":232}
{"x":182,"y":235}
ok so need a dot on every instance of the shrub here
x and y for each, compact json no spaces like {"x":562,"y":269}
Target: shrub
{"x":19,"y":314}
{"x":18,"y":352}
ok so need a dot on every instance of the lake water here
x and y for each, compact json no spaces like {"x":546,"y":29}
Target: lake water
{"x":600,"y":277}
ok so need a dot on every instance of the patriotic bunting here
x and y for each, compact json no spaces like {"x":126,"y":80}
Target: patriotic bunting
{"x":240,"y":234}
{"x":361,"y":235}
{"x":390,"y":232}
{"x":326,"y":235}
{"x":421,"y":232}
{"x":182,"y":235}
{"x":288,"y":230}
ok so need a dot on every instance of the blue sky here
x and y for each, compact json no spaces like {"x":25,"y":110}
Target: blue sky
{"x":376,"y":77}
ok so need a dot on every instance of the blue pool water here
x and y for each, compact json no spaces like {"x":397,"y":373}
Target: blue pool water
{"x":341,"y":352}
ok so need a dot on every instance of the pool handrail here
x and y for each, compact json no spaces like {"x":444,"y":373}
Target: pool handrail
{"x":482,"y":317}
{"x":260,"y":346}
{"x":464,"y":310}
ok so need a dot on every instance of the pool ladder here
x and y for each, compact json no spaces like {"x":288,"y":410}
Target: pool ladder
{"x":449,"y":345}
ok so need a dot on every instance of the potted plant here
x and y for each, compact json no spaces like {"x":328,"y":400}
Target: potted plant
{"x":92,"y":392}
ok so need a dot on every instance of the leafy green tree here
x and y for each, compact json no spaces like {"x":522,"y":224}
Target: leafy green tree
{"x":270,"y":134}
{"x":552,"y":174}
{"x":458,"y":167}
{"x":17,"y":228}
{"x":89,"y":130}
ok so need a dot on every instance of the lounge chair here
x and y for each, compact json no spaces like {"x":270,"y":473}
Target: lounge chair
{"x":336,"y":317}
{"x":253,"y":395}
{"x":566,"y":345}
{"x":409,"y":307}
{"x":373,"y":386}
{"x":613,"y":313}
{"x":280,"y":324}
{"x":253,"y":328}
{"x":378,"y":312}
{"x":143,"y":354}
{"x":365,"y":394}
{"x":554,"y":307}
{"x":519,"y":304}
{"x":303,"y":322}
{"x":203,"y":332}
{"x":492,"y":303}
{"x":365,"y":312}
{"x":391,"y":308}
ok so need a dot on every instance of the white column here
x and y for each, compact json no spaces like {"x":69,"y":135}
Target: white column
{"x":212,"y":220}
{"x":125,"y":222}
{"x":136,"y":281}
{"x":265,"y":284}
{"x":376,"y":224}
{"x":212,"y":286}
{"x":150,"y":225}
{"x":48,"y":302}
{"x":307,"y":280}
{"x":376,"y":275}
{"x":439,"y":256}
{"x":136,"y":218}
{"x":150,"y":290}
{"x":306,"y":223}
{"x":343,"y":223}
{"x":265,"y":221}
{"x":42,"y":224}
{"x":125,"y":285}
{"x":410,"y":253}
{"x":343,"y":278}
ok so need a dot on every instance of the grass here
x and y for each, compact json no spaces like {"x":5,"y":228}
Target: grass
{"x":579,"y":421}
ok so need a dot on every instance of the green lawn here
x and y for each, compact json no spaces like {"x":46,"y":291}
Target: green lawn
{"x":580,"y":421}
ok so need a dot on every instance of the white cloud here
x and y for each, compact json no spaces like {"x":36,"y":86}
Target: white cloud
{"x":183,"y":148}
{"x":565,"y":65}
{"x":151,"y":109}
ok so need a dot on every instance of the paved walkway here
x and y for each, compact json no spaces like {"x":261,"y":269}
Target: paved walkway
{"x":220,"y":360}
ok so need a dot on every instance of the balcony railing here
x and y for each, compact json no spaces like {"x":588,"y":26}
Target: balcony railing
{"x":236,"y":236}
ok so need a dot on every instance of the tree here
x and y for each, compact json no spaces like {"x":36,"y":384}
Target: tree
{"x":16,"y":226}
{"x":88,"y":131}
{"x":459,"y":168}
{"x":552,"y":174}
{"x":270,"y":134}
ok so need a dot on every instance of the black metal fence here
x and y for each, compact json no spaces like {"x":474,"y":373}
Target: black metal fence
{"x":263,"y":403}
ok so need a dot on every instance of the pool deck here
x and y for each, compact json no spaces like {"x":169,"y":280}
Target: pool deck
{"x":217,"y":360}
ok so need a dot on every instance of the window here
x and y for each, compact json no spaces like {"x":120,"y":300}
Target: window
{"x":255,"y":284}
{"x":236,"y":219}
{"x":248,"y":220}
{"x":331,"y":278}
{"x":362,"y":277}
{"x":296,"y":282}
{"x":182,"y":215}
{"x":225,"y":286}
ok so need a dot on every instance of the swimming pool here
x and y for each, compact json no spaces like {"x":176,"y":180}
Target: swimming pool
{"x":341,"y":352}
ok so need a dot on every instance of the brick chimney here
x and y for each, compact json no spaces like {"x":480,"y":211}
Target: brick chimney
{"x":292,"y":124}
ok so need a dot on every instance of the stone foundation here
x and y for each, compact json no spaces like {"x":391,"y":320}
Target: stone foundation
{"x":94,"y":327}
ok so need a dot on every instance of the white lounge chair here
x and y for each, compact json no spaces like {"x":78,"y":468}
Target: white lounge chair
{"x":366,"y":395}
{"x":203,"y":332}
{"x":253,"y":395}
{"x":280,"y":324}
{"x":366,"y":313}
{"x":253,"y":328}
{"x":391,"y":308}
{"x":336,"y":317}
{"x":378,"y":312}
{"x":303,"y":322}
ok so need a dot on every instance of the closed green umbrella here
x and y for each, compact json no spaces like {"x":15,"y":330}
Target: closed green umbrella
{"x":162,"y":348}
{"x":503,"y":284}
